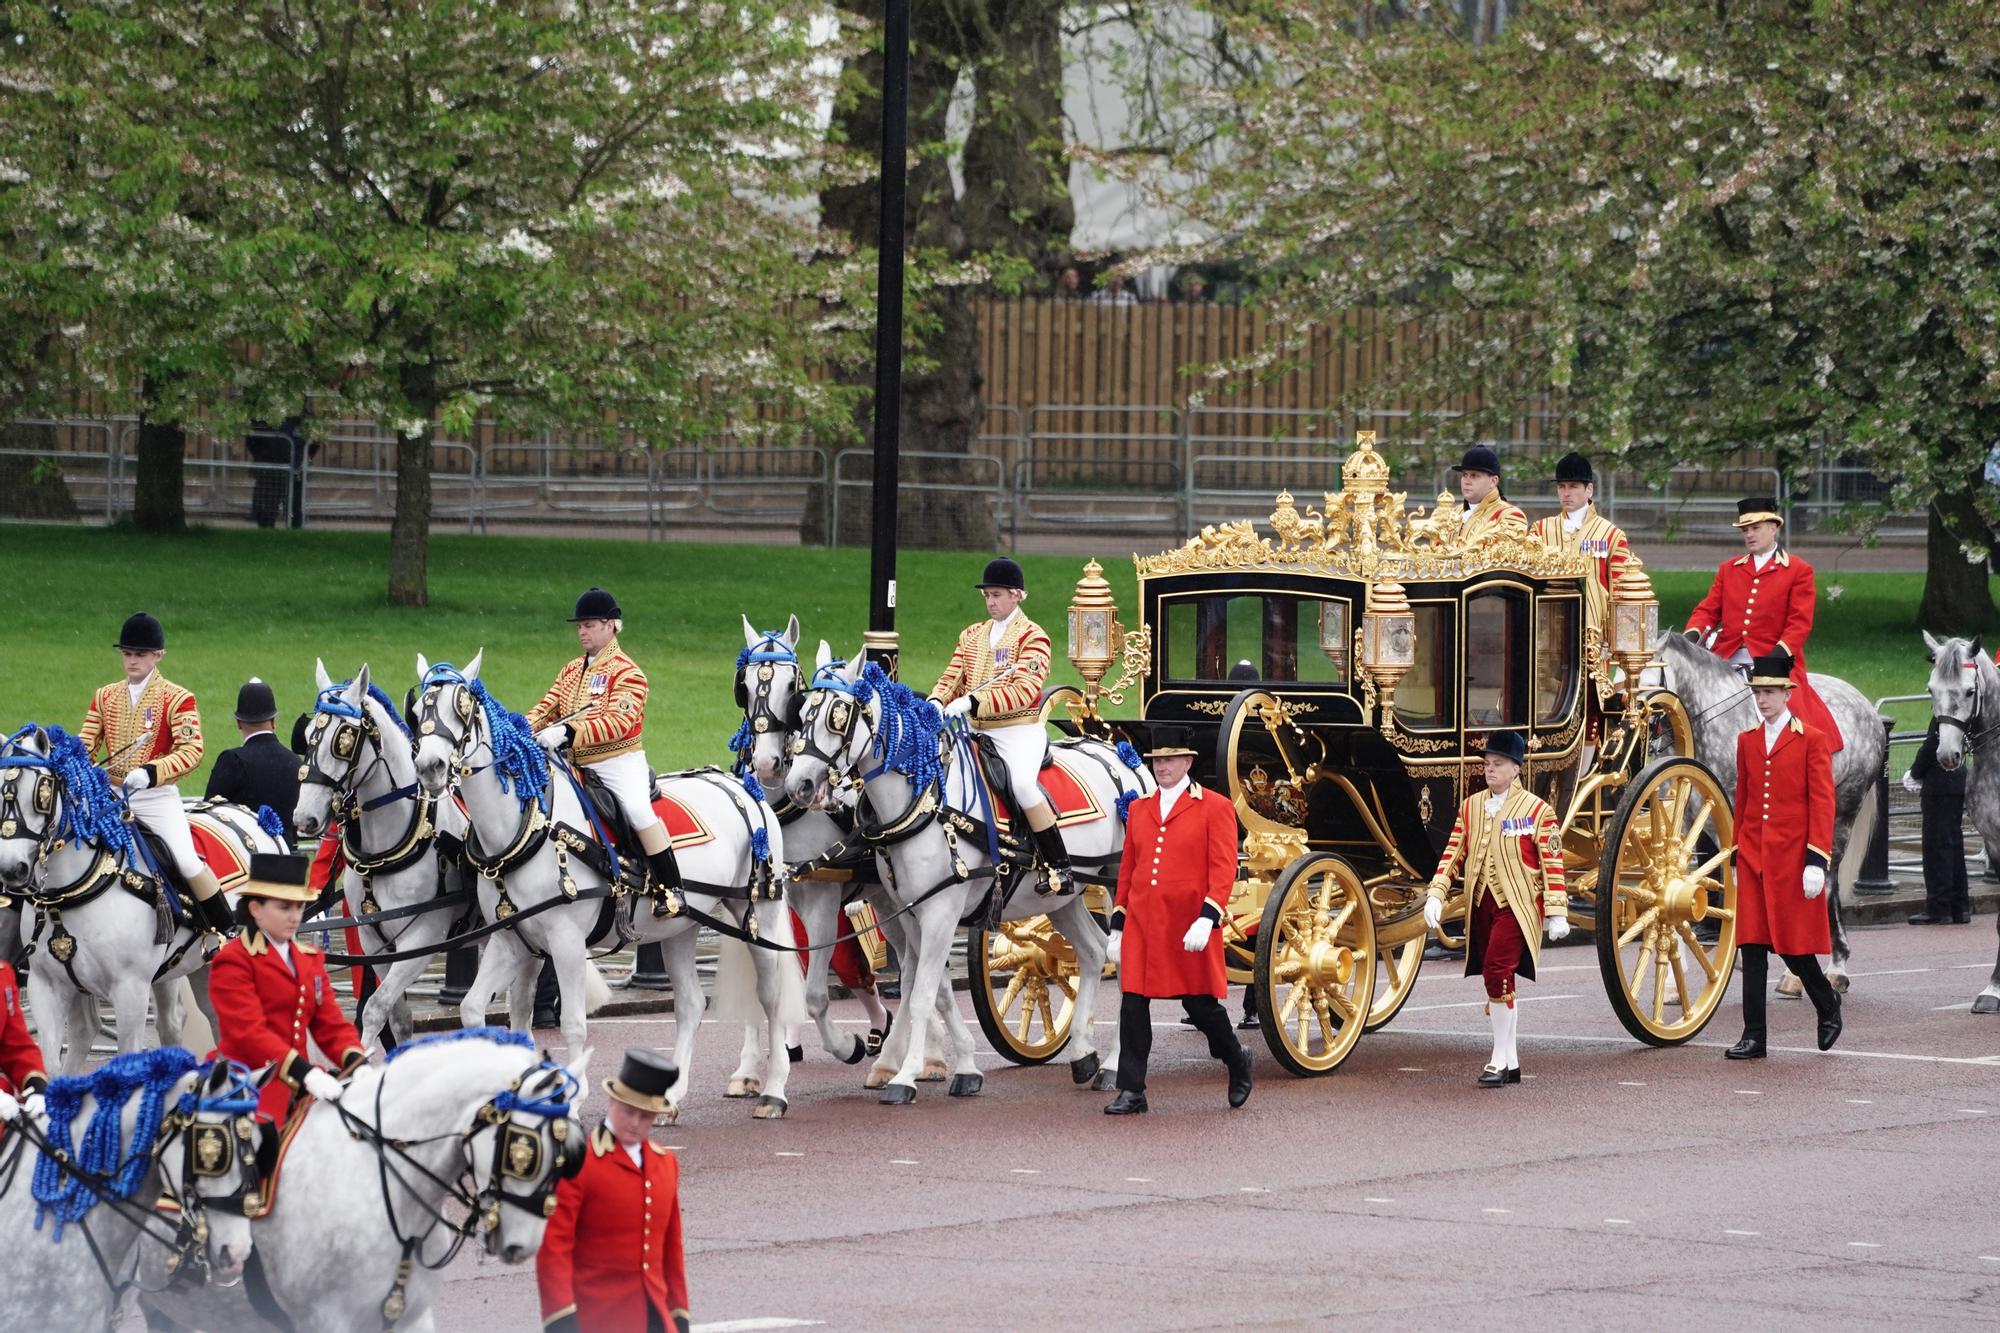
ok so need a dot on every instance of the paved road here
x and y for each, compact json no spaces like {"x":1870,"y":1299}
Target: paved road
{"x":1616,"y":1185}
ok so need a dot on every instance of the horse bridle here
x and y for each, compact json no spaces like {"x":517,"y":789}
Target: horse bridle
{"x":755,"y":701}
{"x":1970,"y":734}
{"x":45,"y":801}
{"x":213,"y":1152}
{"x":847,"y":712}
{"x":432,"y":722}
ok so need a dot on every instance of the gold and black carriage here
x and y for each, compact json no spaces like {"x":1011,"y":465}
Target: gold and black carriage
{"x":1341,"y":675}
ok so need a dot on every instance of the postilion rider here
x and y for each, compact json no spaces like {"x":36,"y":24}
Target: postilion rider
{"x":1507,"y":843}
{"x":597,"y":708}
{"x":995,"y":679}
{"x":1174,"y":881}
{"x":1581,"y":529}
{"x":271,"y":991}
{"x":612,"y":1259}
{"x":148,"y":731}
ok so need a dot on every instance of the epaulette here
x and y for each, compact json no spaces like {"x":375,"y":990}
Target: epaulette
{"x":602,"y":1140}
{"x":1740,"y":560}
{"x":254,"y":944}
{"x":1798,"y":726}
{"x":302,"y":946}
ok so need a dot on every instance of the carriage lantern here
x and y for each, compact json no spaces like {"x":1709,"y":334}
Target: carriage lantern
{"x":1635,"y":619}
{"x":1388,"y":643}
{"x":1094,"y":632}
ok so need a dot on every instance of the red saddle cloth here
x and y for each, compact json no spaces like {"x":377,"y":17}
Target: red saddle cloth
{"x":1069,"y":795}
{"x":684,"y":827}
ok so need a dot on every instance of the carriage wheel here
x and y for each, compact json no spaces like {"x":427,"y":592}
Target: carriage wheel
{"x":1023,"y":978}
{"x":1395,"y":980}
{"x":1659,"y":878}
{"x":1316,"y":964}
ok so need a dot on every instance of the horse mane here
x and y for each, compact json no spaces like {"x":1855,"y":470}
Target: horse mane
{"x":907,"y":729}
{"x":102,"y":1167}
{"x":91,"y":810}
{"x":520,"y":763}
{"x":1954,"y":655}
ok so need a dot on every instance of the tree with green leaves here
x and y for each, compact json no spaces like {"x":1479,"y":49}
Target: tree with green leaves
{"x":584,"y":216}
{"x":1692,"y":228}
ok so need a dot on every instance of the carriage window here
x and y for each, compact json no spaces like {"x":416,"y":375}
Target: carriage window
{"x":1208,"y":635}
{"x":1496,"y":641}
{"x":1323,"y":643}
{"x":1423,"y":698}
{"x":1558,"y":659}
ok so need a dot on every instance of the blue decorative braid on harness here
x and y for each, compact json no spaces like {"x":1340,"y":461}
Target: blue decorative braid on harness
{"x":498,"y":1036}
{"x":112,"y":1171}
{"x":770,"y":647}
{"x":270,"y":821}
{"x":92,"y":811}
{"x":332,"y":700}
{"x":907,"y":728}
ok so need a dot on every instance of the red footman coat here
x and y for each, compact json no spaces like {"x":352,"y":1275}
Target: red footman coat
{"x":265,"y":1010}
{"x":1766,"y":611}
{"x":1784,"y":823}
{"x":613,"y":1249}
{"x":1170,"y":875}
{"x":20,"y":1059}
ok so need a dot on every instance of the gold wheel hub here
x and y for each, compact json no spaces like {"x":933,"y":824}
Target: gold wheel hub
{"x":1684,"y":898}
{"x":1329,"y":964}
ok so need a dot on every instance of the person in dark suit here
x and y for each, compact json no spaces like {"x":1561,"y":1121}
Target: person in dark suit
{"x":260,"y":771}
{"x":1947,"y":893}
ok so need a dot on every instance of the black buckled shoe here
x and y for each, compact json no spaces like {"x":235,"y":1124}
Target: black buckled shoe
{"x":1127,"y":1103}
{"x":1239,"y":1078}
{"x":1829,"y":1025}
{"x":1494,"y":1076}
{"x":1750,"y":1048}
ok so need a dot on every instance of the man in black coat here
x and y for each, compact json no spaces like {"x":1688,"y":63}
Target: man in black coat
{"x":261,"y":771}
{"x":1947,"y":895}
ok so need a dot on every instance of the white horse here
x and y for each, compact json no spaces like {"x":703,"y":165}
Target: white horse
{"x":534,"y":845}
{"x":177,"y":1137}
{"x":454,"y":1136}
{"x":1965,"y":700}
{"x":397,"y":840}
{"x":771,"y":691}
{"x":858,"y":719}
{"x":95,"y":919}
{"x":1720,"y":707}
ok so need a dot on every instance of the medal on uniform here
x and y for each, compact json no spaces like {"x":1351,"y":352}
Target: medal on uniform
{"x":319,"y":990}
{"x":1002,"y":656}
{"x":598,"y":683}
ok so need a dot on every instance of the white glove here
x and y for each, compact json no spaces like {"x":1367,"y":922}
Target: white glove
{"x":1196,"y":938}
{"x":936,"y":707}
{"x":1815,"y":881}
{"x":959,"y":707}
{"x":1433,"y":913}
{"x":1558,"y":927}
{"x":323,"y":1085}
{"x":32,"y":1105}
{"x":1912,"y":783}
{"x":9,"y":1108}
{"x":1111,"y":950}
{"x":553,"y":738}
{"x":138,"y":780}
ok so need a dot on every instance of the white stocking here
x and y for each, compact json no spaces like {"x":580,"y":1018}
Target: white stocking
{"x":1513,"y":1029}
{"x":1499,"y":1014}
{"x":878,"y":1017}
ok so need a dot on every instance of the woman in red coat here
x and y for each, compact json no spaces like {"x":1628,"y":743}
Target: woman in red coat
{"x":1784,"y":825}
{"x":1173,"y":882}
{"x":612,"y":1260}
{"x":22,"y":1081}
{"x":271,"y":991}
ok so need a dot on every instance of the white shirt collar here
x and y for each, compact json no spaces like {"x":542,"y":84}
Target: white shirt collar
{"x":1571,"y":522}
{"x":1759,"y":561}
{"x":999,"y":629}
{"x":1773,"y":730}
{"x":283,"y":948}
{"x":1169,"y":795}
{"x":136,"y":690}
{"x":637,"y":1151}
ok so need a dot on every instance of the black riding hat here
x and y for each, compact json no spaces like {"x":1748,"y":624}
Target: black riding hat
{"x":1479,"y":458}
{"x":643,"y":1080}
{"x":142,"y":634}
{"x":596,"y":604}
{"x":279,"y":875}
{"x":255,"y":702}
{"x":1573,"y":466}
{"x":1002,"y":573}
{"x":1508,"y":745}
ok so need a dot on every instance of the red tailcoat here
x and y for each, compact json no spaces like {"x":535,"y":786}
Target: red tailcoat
{"x":613,"y":1247}
{"x":1766,"y":612}
{"x":20,"y":1059}
{"x":1784,"y":823}
{"x":1170,"y":875}
{"x":265,"y":1010}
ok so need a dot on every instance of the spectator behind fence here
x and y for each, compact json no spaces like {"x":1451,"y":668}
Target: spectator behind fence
{"x":282,"y":451}
{"x":1947,"y":894}
{"x":1193,"y":288}
{"x":1115,"y":291}
{"x":1069,"y":284}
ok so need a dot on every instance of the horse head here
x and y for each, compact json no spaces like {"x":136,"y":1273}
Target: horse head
{"x":451,"y":726}
{"x":208,"y":1162}
{"x":344,"y":744}
{"x":1961,"y":676}
{"x":523,"y":1143}
{"x":770,"y":693}
{"x":30,"y":804}
{"x":834,"y":730}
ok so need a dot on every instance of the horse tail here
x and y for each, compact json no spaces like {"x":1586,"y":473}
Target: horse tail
{"x":596,"y":993}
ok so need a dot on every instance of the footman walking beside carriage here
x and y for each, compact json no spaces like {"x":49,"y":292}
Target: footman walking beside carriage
{"x":21,"y":1076}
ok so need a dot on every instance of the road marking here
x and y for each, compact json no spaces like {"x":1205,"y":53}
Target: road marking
{"x":1252,"y":1189}
{"x":1618,"y":1221}
{"x":1859,"y":1101}
{"x":1748,"y":1092}
{"x":904,"y":1161}
{"x":1496,"y":1210}
{"x":791,"y":1154}
{"x":1862,"y":1245}
{"x":1987,"y":1061}
{"x":1474,"y":1004}
{"x":1991,"y":1258}
{"x":1961,"y":1004}
{"x":1027,"y":1171}
{"x":1139,"y":1180}
{"x":752,"y":1325}
{"x":1966,"y":967}
{"x":1376,"y":1199}
{"x":1894,"y":972}
{"x":1627,"y":1083}
{"x":1970,"y":1110}
{"x":1728,"y":1232}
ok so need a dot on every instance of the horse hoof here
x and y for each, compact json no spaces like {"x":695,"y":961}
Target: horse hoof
{"x":1081,"y":1071}
{"x":966,"y":1085}
{"x":769,"y":1108}
{"x":1106,"y":1080}
{"x":857,"y":1055}
{"x":1986,"y":1004}
{"x":877,"y":1077}
{"x":935,"y":1071}
{"x":739,"y":1087}
{"x":1839,"y":981}
{"x":671,"y":1115}
{"x":1789,"y":986}
{"x":898,"y":1094}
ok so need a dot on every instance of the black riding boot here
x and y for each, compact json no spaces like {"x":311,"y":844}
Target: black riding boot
{"x":215,"y":914}
{"x":1055,"y":856}
{"x":548,"y":997}
{"x":666,"y":877}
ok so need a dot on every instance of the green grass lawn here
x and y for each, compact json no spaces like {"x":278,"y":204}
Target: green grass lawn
{"x":238,"y":603}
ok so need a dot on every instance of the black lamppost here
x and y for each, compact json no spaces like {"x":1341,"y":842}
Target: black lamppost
{"x":879,"y":643}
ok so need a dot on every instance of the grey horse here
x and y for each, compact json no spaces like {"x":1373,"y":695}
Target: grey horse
{"x":1720,"y":707}
{"x":1965,"y":700}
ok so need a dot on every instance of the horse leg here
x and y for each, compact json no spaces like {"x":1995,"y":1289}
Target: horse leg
{"x":55,"y":1017}
{"x":819,"y":908}
{"x":689,"y":1004}
{"x":916,"y":1023}
{"x":1988,"y":1000}
{"x":379,"y":1012}
{"x":496,"y":960}
{"x":128,"y":1002}
{"x":1091,"y":944}
{"x":938,"y":919}
{"x":771,"y":1105}
{"x":572,"y":955}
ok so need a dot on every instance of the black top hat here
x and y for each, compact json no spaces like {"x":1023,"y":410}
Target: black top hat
{"x":1478,"y":458}
{"x":142,"y":634}
{"x":1573,"y":466}
{"x":1757,"y":509}
{"x":1772,"y":669}
{"x":596,"y":604}
{"x":643,"y":1080}
{"x":279,"y":875}
{"x":1508,"y":745}
{"x":1169,"y":742}
{"x":255,"y":702}
{"x":1002,"y":573}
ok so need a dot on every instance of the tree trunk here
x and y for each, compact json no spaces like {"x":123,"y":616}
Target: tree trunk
{"x":410,"y":530}
{"x":1958,"y":597}
{"x":158,"y":470}
{"x":1017,"y":198}
{"x":33,"y":487}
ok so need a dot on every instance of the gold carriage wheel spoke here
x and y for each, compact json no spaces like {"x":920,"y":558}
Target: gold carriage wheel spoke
{"x":1676,"y":802}
{"x":1643,"y":924}
{"x":1689,"y":938}
{"x":1026,"y":1019}
{"x":1289,"y":969}
{"x":1701,"y":822}
{"x":1722,"y":913}
{"x":1065,"y":984}
{"x":1339,"y":923}
{"x":1642,"y":966}
{"x":1015,"y":984}
{"x":1656,"y":824}
{"x":1660,"y":959}
{"x":1706,"y":869}
{"x":1306,"y":1012}
{"x":1322,"y":902}
{"x":1681,"y":983}
{"x":1342,"y":1002}
{"x":1042,"y":1008}
{"x":1293,"y":998}
{"x":1326,"y":1029}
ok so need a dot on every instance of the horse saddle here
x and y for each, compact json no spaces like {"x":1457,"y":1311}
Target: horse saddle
{"x":1068,"y":795}
{"x":173,"y":902}
{"x":684,"y":827}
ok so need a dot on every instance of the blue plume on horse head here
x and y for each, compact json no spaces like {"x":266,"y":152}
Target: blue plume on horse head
{"x":522,"y":767}
{"x":92,"y":810}
{"x":105,"y":1164}
{"x":907,"y":727}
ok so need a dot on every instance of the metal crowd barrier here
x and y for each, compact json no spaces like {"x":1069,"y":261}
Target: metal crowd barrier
{"x":1896,"y":842}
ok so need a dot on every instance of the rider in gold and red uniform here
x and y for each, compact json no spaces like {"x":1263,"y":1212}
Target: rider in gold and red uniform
{"x":1487,"y":512}
{"x":21,"y":1073}
{"x":1761,"y":603}
{"x":1580,"y":528}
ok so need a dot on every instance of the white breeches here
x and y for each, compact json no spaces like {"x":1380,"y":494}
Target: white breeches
{"x":161,"y":811}
{"x":1023,"y":747}
{"x":626,"y":778}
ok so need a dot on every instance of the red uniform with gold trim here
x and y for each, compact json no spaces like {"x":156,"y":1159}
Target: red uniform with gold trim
{"x":1784,"y":823}
{"x":611,"y":1260}
{"x":20,"y":1059}
{"x":1765,"y":611}
{"x":1603,"y":543}
{"x":1004,"y":679}
{"x":167,"y":719}
{"x":1172,"y":873}
{"x":265,"y":1009}
{"x":1513,"y":869}
{"x":607,"y":695}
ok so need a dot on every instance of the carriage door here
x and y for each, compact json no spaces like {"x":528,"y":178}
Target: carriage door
{"x":1496,"y":663}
